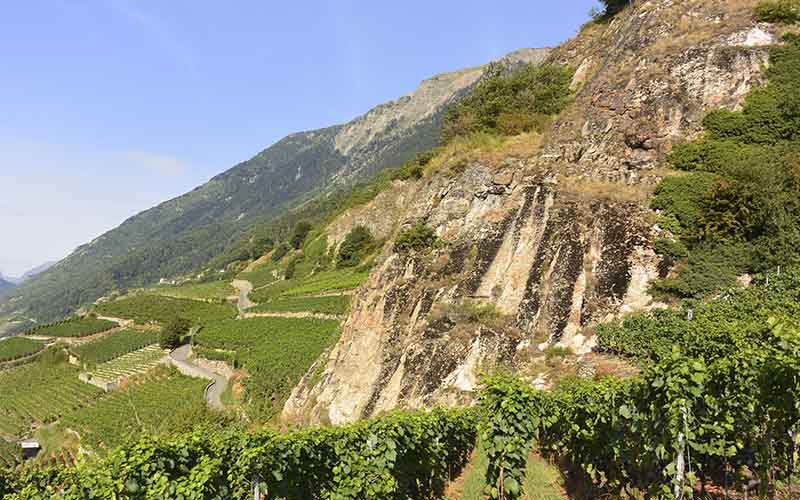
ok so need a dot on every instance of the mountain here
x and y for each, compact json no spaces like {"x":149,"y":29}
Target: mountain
{"x":31,"y":273}
{"x":180,"y":235}
{"x":549,"y":236}
{"x":5,"y":284}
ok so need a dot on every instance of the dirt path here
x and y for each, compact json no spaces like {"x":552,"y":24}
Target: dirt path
{"x":244,"y":303}
{"x":302,"y":314}
{"x":181,"y":360}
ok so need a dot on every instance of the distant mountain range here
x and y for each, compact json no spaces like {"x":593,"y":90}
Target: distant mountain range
{"x":28,"y":274}
{"x":181,"y":235}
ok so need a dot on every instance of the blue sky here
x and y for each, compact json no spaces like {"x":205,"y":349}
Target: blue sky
{"x":111,"y":106}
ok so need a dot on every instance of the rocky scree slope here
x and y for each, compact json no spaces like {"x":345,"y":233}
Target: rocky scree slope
{"x":182,"y":234}
{"x":554,"y":242}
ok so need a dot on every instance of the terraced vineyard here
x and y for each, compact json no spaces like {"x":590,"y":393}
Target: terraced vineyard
{"x":261,"y":276}
{"x":334,"y":304}
{"x":40,"y":393}
{"x":73,"y":327}
{"x":322,"y":282}
{"x":128,"y":365}
{"x":113,"y":346}
{"x":18,"y":347}
{"x":276,"y":352}
{"x":150,"y":404}
{"x":212,"y":290}
{"x":149,"y":308}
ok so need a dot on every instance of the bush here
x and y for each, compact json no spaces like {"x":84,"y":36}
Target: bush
{"x":615,"y":6}
{"x":280,"y":252}
{"x":510,"y":101}
{"x":675,"y":250}
{"x":356,"y":245}
{"x":172,"y":335}
{"x":420,"y":237}
{"x":778,"y":11}
{"x":301,"y":230}
{"x":290,"y":269}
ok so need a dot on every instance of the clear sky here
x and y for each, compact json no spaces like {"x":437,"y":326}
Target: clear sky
{"x":108,"y":107}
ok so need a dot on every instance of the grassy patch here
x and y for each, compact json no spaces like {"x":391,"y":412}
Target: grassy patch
{"x":334,"y":304}
{"x":204,"y":291}
{"x":148,"y":308}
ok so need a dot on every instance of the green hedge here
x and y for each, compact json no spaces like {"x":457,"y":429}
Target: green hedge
{"x":398,"y":456}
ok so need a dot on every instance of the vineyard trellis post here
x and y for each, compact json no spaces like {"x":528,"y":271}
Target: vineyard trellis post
{"x":680,"y":459}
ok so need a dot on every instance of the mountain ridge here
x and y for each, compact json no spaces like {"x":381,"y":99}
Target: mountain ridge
{"x":179,"y":235}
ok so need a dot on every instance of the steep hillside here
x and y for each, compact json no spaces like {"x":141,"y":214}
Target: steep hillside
{"x":545,"y":236}
{"x":180,"y":235}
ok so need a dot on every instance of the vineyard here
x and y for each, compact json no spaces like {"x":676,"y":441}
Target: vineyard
{"x":333,"y":304}
{"x":261,"y":276}
{"x":398,"y":456}
{"x":18,"y":347}
{"x":128,"y":365}
{"x":150,"y":404}
{"x":275,"y":351}
{"x":113,"y":346}
{"x":73,"y":327}
{"x":154,"y":308}
{"x":219,"y":290}
{"x":321,"y":282}
{"x":40,"y":393}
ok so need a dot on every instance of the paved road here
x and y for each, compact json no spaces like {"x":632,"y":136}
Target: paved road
{"x":244,"y":287}
{"x":180,"y":358}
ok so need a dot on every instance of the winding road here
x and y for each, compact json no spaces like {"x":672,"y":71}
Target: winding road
{"x":181,"y":360}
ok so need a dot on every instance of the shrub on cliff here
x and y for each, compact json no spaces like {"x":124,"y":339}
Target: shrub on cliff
{"x":510,"y":101}
{"x":418,"y":238}
{"x":738,"y":210}
{"x":356,"y":245}
{"x":778,"y":11}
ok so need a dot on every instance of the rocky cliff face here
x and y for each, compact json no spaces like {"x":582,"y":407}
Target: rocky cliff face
{"x":555,"y":241}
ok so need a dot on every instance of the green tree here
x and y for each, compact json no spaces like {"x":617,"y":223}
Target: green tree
{"x":301,"y":230}
{"x":172,"y":335}
{"x":279,"y":252}
{"x":355,"y":247}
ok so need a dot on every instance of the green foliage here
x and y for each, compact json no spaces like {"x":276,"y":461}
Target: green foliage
{"x":173,"y":333}
{"x":418,"y":238}
{"x":398,"y":456}
{"x":73,"y":327}
{"x":738,"y":210}
{"x":778,"y":11}
{"x":275,"y":351}
{"x":673,"y":249}
{"x":151,"y":405}
{"x":510,"y":101}
{"x":333,"y":304}
{"x":212,"y":290}
{"x":113,"y":346}
{"x":290,"y":268}
{"x":719,"y":328}
{"x":18,"y":347}
{"x":735,"y":410}
{"x":682,"y":197}
{"x":280,"y":252}
{"x":148,"y":308}
{"x":356,"y":245}
{"x":613,"y":7}
{"x":260,"y":246}
{"x":301,"y":230}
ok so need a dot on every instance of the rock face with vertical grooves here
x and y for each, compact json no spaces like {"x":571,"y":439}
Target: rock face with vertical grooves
{"x":556,"y":241}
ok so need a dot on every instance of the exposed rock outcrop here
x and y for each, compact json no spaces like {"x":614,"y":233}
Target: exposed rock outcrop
{"x":555,"y":242}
